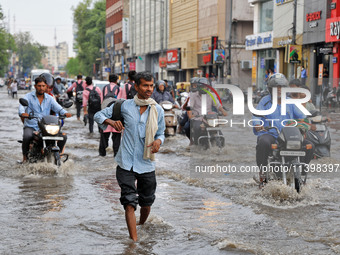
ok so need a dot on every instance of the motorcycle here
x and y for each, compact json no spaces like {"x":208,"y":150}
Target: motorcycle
{"x":63,"y":99}
{"x":183,"y":97}
{"x":211,"y":132}
{"x":331,"y":98}
{"x":170,"y":118}
{"x":284,"y":164}
{"x":320,"y":137}
{"x":43,"y":146}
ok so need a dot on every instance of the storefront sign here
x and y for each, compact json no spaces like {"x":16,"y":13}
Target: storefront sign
{"x":313,"y":16}
{"x":206,"y":58}
{"x":320,"y":75}
{"x":132,"y":66}
{"x":293,"y":53}
{"x":313,"y":24}
{"x":335,"y":60}
{"x":219,"y":56}
{"x":254,"y":69}
{"x":162,"y":62}
{"x":281,"y":2}
{"x":326,"y":51}
{"x":126,"y":30}
{"x":333,"y":5}
{"x":333,"y":29}
{"x":173,"y":59}
{"x":259,"y":41}
{"x":285,"y":42}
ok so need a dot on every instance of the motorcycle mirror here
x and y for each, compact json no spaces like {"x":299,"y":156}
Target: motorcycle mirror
{"x":23,"y":102}
{"x":68,"y":104}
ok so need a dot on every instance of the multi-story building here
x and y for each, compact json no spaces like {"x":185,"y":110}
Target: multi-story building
{"x":148,"y":35}
{"x":57,"y":56}
{"x":117,"y":36}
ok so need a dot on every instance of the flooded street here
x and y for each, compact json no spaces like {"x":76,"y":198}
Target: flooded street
{"x":76,"y":210}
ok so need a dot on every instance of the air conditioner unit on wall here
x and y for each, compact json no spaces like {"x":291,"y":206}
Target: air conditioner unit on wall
{"x":246,"y":64}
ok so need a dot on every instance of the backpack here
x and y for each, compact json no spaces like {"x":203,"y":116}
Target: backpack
{"x":79,"y":92}
{"x":117,"y":110}
{"x":130,"y":93}
{"x":111,"y":93}
{"x":94,"y":102}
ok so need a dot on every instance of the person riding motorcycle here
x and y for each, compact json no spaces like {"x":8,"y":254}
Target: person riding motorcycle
{"x":266,"y":138}
{"x":195,"y":110}
{"x":160,"y":94}
{"x":40,"y":104}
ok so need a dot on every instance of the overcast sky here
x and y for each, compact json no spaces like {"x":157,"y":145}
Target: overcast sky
{"x":41,"y":18}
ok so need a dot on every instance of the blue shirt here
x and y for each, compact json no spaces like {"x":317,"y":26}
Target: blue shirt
{"x":131,"y":150}
{"x":38,"y":109}
{"x":292,"y":112}
{"x":160,"y":97}
{"x":304,"y":73}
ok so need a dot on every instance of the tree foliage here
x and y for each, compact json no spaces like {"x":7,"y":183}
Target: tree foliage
{"x":73,"y":67}
{"x":91,"y":30}
{"x":7,"y":45}
{"x":30,"y":53}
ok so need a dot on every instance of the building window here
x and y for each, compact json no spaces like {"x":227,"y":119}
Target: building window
{"x":266,"y":16}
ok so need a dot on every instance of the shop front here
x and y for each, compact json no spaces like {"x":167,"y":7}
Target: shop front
{"x":264,"y":57}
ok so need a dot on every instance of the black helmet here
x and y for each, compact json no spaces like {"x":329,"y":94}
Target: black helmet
{"x":49,"y":78}
{"x":277,"y":80}
{"x":58,"y":78}
{"x":193,"y":81}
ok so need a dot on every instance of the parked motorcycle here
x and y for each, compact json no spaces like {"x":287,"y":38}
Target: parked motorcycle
{"x":211,"y":132}
{"x":44,"y":146}
{"x":284,"y":164}
{"x":320,"y":137}
{"x":170,"y":118}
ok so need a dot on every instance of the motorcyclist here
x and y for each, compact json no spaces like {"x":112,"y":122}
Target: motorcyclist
{"x":195,"y":110}
{"x":160,"y":94}
{"x":266,"y":138}
{"x":40,"y":104}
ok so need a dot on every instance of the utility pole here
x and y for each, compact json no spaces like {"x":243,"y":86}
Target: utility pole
{"x":229,"y":41}
{"x":294,"y":35}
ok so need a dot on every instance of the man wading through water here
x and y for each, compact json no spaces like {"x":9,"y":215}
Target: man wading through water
{"x":142,"y":137}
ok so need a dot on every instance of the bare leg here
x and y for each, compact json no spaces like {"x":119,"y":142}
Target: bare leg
{"x":130,"y":218}
{"x":144,"y":214}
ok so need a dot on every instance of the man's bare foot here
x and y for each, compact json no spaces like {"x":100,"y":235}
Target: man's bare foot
{"x":144,"y":214}
{"x":131,"y":221}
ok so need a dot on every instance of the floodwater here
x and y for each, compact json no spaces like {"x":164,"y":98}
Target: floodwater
{"x":75,"y":209}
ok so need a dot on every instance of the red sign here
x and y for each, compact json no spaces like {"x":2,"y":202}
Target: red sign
{"x":132,"y":66}
{"x":162,"y":62}
{"x":172,"y":56}
{"x":333,"y":29}
{"x":313,"y":16}
{"x":206,"y":58}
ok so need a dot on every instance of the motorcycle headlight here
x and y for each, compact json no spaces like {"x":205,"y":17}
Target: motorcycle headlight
{"x":293,"y":145}
{"x":52,"y":129}
{"x":167,"y":106}
{"x":211,"y":123}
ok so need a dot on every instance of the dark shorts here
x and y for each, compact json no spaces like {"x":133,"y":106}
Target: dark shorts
{"x":143,"y":194}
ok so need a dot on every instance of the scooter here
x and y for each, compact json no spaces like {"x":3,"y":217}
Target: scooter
{"x":170,"y":118}
{"x":320,"y":137}
{"x":211,"y":132}
{"x":43,"y":146}
{"x":284,"y":164}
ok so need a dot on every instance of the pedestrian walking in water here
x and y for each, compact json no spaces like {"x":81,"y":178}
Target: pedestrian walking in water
{"x":14,"y":89}
{"x":143,"y":135}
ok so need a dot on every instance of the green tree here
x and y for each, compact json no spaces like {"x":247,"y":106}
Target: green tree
{"x":30,"y":53}
{"x":91,"y":29}
{"x":7,"y":45}
{"x":73,"y":67}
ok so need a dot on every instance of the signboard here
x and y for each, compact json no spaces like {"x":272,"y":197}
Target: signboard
{"x":333,"y":29}
{"x":254,"y":68}
{"x":335,"y":60}
{"x":125,"y":30}
{"x":132,"y":66}
{"x":173,"y":59}
{"x":259,"y":41}
{"x":214,"y":45}
{"x":107,"y":69}
{"x":162,"y":62}
{"x":320,"y":75}
{"x":293,"y":53}
{"x":313,"y":16}
{"x":325,"y":50}
{"x":219,"y":56}
{"x":281,"y":2}
{"x":333,"y":5}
